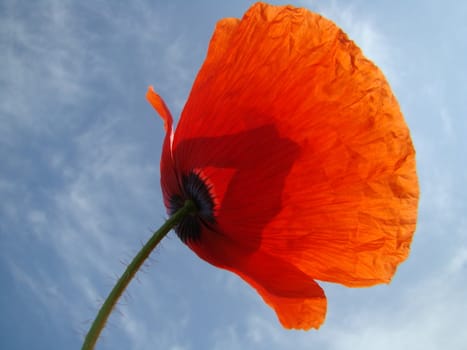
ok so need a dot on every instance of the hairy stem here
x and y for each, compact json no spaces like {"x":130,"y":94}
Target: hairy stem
{"x":103,"y":314}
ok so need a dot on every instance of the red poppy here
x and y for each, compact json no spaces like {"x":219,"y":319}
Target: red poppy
{"x":298,"y":159}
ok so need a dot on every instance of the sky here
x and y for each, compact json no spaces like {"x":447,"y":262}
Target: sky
{"x":79,"y":180}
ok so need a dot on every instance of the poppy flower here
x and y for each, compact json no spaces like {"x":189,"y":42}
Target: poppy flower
{"x":298,"y":159}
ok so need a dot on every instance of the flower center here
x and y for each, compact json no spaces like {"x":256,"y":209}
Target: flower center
{"x":193,"y":188}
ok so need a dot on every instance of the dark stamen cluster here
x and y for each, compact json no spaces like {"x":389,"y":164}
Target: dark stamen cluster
{"x":193,"y":188}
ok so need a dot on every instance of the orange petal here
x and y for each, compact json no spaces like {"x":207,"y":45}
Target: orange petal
{"x":298,"y":301}
{"x":321,"y":167}
{"x":159,"y":105}
{"x":169,"y":182}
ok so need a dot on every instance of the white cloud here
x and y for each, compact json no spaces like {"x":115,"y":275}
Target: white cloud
{"x":46,"y":291}
{"x":446,"y":119}
{"x":37,"y":217}
{"x":458,"y":262}
{"x":227,"y":338}
{"x":430,"y":317}
{"x":45,"y":63}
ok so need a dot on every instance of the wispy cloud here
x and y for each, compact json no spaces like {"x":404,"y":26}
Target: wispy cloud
{"x":87,"y":185}
{"x":46,"y":63}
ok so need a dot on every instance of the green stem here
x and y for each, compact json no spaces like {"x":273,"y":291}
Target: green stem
{"x":101,"y":318}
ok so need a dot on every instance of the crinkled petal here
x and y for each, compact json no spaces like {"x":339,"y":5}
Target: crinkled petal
{"x":304,"y":145}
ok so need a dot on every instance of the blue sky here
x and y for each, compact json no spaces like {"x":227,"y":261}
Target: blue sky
{"x":79,"y":180}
